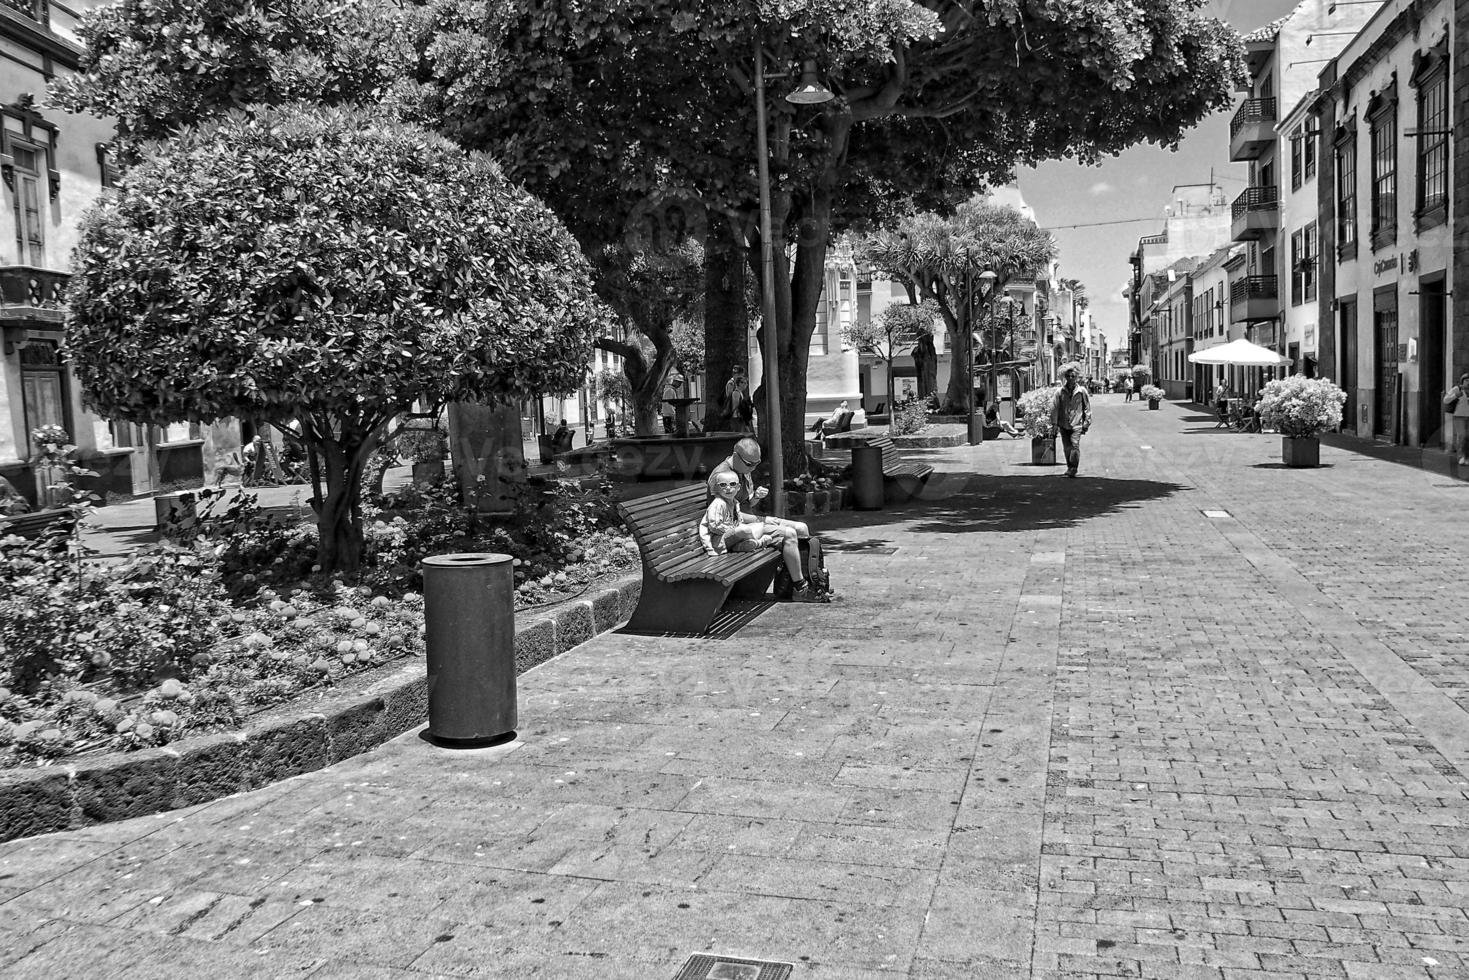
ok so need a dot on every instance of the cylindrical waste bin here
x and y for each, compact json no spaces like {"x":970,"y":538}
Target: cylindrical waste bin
{"x":867,"y":477}
{"x":469,"y":626}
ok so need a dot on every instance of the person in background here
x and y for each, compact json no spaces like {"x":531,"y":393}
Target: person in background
{"x":1127,"y":387}
{"x":1073,"y":416}
{"x":739,"y":409}
{"x":992,"y":420}
{"x":1456,"y":403}
{"x":829,"y":424}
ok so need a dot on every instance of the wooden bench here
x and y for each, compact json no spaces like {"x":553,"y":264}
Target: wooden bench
{"x":901,"y":480}
{"x":684,"y":588}
{"x":34,"y":524}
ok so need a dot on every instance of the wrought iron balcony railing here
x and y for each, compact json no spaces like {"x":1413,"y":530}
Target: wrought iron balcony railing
{"x":1252,"y":111}
{"x":1263,"y":198}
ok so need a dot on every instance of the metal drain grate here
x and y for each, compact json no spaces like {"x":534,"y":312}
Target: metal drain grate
{"x":701,"y":966}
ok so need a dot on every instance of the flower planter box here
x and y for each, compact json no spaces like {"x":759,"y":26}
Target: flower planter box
{"x":813,"y":502}
{"x":1301,"y":451}
{"x":1152,"y":404}
{"x":1043,"y":451}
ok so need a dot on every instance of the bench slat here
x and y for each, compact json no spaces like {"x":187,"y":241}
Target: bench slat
{"x":722,"y":568}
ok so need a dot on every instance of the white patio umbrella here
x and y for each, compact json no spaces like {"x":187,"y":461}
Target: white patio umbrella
{"x":1241,"y":353}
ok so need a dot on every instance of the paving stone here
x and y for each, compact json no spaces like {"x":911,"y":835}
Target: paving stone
{"x":1069,"y":728}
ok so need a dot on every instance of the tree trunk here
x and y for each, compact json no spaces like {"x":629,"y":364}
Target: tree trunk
{"x":339,"y":520}
{"x":959,"y":395}
{"x":726,"y":321}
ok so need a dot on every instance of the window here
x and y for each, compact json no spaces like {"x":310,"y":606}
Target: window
{"x":25,"y":181}
{"x":1297,"y":159}
{"x":1308,"y":152}
{"x":1433,"y":142}
{"x":1384,"y":148}
{"x":1346,"y":194}
{"x":1310,"y":247}
{"x":1297,"y":290}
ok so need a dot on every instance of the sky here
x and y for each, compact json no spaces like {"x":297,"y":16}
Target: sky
{"x":1134,"y":185}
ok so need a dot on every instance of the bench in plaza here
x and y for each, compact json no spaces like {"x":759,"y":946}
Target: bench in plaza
{"x":901,"y":479}
{"x":34,"y":524}
{"x":684,"y":588}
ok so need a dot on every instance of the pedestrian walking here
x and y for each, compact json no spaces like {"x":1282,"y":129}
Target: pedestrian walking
{"x":1127,"y":387}
{"x":1456,"y":402}
{"x":1073,"y":416}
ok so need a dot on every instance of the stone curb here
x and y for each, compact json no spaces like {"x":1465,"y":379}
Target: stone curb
{"x":205,"y":767}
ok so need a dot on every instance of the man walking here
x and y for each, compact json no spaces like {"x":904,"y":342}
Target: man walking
{"x":1073,"y":415}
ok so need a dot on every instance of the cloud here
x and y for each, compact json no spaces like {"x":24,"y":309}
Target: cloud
{"x":1101,"y":187}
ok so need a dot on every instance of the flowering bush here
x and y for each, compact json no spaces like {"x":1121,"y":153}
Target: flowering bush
{"x":908,"y":417}
{"x":1299,"y":406}
{"x":227,"y":615}
{"x":1038,"y":412}
{"x":1152,"y":393}
{"x":807,"y":482}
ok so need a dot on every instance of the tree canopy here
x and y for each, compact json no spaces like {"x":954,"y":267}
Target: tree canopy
{"x":934,"y":99}
{"x":158,"y":65}
{"x":325,"y":265}
{"x":943,"y":256}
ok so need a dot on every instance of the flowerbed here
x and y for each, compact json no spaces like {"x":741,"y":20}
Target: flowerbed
{"x":228,"y":616}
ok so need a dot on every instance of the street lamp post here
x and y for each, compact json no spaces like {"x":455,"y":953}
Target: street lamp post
{"x":809,"y":92}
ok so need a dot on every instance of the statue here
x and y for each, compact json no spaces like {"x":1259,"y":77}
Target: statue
{"x":926,"y":363}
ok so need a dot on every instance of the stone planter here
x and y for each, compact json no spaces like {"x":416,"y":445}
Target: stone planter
{"x":1301,"y":451}
{"x":1152,"y":404}
{"x":1043,"y":451}
{"x":812,"y":502}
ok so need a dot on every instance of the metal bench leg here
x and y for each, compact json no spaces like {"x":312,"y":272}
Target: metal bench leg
{"x":677,"y":607}
{"x":754,"y":585}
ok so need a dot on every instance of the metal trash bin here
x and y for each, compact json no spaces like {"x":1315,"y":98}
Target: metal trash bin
{"x":469,"y":626}
{"x":867,"y":477}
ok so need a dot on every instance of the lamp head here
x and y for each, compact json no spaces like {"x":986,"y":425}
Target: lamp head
{"x":810,"y":91}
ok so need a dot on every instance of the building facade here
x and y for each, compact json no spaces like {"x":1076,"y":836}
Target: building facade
{"x":54,"y":166}
{"x":1386,"y":205}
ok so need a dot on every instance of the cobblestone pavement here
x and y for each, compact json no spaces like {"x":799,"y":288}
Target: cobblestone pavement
{"x":1191,"y":715}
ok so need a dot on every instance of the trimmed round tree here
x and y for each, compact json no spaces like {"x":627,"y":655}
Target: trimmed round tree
{"x":325,"y":265}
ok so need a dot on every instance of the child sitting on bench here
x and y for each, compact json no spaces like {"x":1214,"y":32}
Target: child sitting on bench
{"x":724,"y":528}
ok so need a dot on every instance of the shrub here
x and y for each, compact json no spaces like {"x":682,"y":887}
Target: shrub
{"x":1153,"y":393}
{"x":1299,"y":406}
{"x":1038,"y":412}
{"x":908,"y":417}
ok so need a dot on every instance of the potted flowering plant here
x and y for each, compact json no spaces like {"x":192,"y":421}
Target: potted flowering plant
{"x":1154,"y":395}
{"x":1038,"y":418}
{"x":809,"y":494}
{"x":1300,"y":409}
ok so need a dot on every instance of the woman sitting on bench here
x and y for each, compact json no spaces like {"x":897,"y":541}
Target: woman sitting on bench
{"x":725,"y":528}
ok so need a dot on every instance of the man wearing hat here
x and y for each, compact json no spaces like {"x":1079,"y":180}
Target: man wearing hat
{"x":1073,"y":415}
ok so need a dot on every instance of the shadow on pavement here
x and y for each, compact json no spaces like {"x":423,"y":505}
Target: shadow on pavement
{"x":1434,"y":460}
{"x":976,"y":502}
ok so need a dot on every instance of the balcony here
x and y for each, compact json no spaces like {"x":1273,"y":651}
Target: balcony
{"x":1254,"y":298}
{"x":31,"y":296}
{"x":1252,"y":130}
{"x":36,"y":10}
{"x":1255,"y":213}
